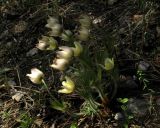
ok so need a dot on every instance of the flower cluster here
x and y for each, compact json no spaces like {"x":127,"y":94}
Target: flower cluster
{"x":86,"y":70}
{"x":47,"y":43}
{"x":64,"y":54}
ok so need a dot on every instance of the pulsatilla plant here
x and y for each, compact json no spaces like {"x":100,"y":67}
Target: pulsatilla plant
{"x":86,"y":73}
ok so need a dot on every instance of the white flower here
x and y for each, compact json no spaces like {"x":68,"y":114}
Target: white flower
{"x":36,"y":76}
{"x":68,"y":86}
{"x":109,"y":64}
{"x":65,"y":53}
{"x":77,"y":49}
{"x":60,"y":64}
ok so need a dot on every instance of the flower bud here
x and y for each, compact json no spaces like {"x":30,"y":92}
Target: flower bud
{"x":68,"y":86}
{"x":36,"y":76}
{"x":47,"y":43}
{"x":109,"y":64}
{"x":56,"y":30}
{"x":42,"y":45}
{"x":85,"y":21}
{"x":83,"y":34}
{"x":51,"y":22}
{"x":77,"y":49}
{"x":65,"y":53}
{"x":66,"y":35}
{"x":60,"y":64}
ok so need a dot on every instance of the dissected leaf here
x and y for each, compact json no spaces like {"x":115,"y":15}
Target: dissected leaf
{"x":59,"y":106}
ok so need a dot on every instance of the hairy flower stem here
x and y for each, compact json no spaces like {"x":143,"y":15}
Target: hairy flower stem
{"x":45,"y":85}
{"x":115,"y":86}
{"x":104,"y":99}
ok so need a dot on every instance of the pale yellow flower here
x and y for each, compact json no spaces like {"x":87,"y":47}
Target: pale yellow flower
{"x":109,"y":64}
{"x":85,"y":21}
{"x":56,"y":30}
{"x":68,"y":86}
{"x":36,"y":76}
{"x":60,"y":64}
{"x":47,"y":43}
{"x":51,"y":22}
{"x":83,"y":34}
{"x":77,"y":49}
{"x":42,"y":45}
{"x":65,"y":52}
{"x":55,"y":26}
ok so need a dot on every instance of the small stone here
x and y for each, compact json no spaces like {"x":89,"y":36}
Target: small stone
{"x":118,"y":116}
{"x":1,"y":103}
{"x":143,"y":66}
{"x":20,"y":27}
{"x":115,"y":124}
{"x":158,"y":101}
{"x":131,"y":84}
{"x":97,"y":20}
{"x":9,"y":44}
{"x":32,"y":52}
{"x":122,"y":30}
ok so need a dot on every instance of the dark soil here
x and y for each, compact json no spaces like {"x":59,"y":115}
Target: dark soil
{"x":23,"y":23}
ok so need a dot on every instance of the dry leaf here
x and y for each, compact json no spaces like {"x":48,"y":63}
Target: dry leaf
{"x":137,"y":18}
{"x":38,"y":122}
{"x":17,"y":96}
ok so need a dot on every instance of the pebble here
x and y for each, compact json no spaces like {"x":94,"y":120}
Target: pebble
{"x":1,"y":103}
{"x":143,"y":66}
{"x":118,"y":116}
{"x":32,"y":52}
{"x":138,"y":107}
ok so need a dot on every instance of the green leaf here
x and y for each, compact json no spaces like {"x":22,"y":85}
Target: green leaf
{"x":130,"y":117}
{"x":125,"y":125}
{"x":74,"y":125}
{"x":99,"y":75}
{"x":122,"y":100}
{"x":59,"y":106}
{"x":124,"y":107}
